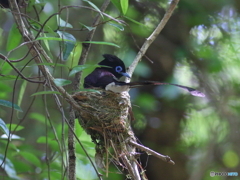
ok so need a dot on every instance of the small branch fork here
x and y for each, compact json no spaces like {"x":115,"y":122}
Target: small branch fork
{"x":151,"y":152}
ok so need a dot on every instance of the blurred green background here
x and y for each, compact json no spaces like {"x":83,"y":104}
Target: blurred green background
{"x":199,"y":47}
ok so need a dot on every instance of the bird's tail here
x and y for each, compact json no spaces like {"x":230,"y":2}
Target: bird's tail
{"x":192,"y":91}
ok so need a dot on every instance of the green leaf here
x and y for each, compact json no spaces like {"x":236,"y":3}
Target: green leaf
{"x":94,"y":6}
{"x":46,"y":43}
{"x":41,"y":139}
{"x":14,"y":38}
{"x":39,"y":117}
{"x":5,"y":68}
{"x":8,"y":167}
{"x":117,"y":4}
{"x":88,"y":27}
{"x":8,"y":77}
{"x":53,"y":39}
{"x":118,"y":26}
{"x":51,"y":142}
{"x":124,"y":6}
{"x":63,"y":23}
{"x":68,"y":45}
{"x":74,"y":56}
{"x":102,"y":43}
{"x":15,"y":127}
{"x":4,"y":87}
{"x":31,"y":158}
{"x":10,"y":105}
{"x":4,"y":128}
{"x":48,"y":29}
{"x":79,"y":68}
{"x":62,"y":82}
{"x":45,"y":92}
{"x":130,"y":19}
{"x":21,"y":92}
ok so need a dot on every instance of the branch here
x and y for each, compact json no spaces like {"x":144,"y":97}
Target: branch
{"x":151,"y":152}
{"x":19,"y":72}
{"x":153,"y":36}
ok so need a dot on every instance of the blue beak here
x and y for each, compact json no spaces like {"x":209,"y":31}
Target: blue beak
{"x":125,"y":74}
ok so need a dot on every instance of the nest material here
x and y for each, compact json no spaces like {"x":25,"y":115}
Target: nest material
{"x":104,"y":112}
{"x":106,"y":118}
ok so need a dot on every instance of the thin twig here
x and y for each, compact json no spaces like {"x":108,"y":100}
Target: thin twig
{"x":19,"y":73}
{"x":131,"y":169}
{"x":153,"y":36}
{"x":151,"y":152}
{"x":71,"y":147}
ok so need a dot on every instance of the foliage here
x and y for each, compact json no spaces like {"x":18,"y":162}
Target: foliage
{"x":198,"y":48}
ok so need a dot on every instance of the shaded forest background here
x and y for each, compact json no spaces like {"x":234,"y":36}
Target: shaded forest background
{"x":198,"y":47}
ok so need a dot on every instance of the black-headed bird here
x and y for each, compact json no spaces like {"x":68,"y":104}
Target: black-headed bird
{"x":112,"y":69}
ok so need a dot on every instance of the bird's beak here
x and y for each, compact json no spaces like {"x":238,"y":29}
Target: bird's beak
{"x":125,"y":74}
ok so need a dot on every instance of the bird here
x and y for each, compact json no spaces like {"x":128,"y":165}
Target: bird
{"x":112,"y":68}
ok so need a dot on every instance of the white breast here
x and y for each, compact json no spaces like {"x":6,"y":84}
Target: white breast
{"x":116,"y":88}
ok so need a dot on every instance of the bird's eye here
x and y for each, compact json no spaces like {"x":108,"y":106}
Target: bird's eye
{"x":118,"y":69}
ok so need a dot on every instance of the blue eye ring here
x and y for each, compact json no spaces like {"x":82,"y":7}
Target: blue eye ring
{"x":118,"y":69}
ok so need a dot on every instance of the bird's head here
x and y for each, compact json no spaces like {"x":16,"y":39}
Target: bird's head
{"x":115,"y":65}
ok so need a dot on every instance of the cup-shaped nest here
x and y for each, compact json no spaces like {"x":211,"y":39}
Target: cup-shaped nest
{"x":103,"y":113}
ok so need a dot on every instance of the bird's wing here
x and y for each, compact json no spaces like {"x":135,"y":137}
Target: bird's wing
{"x":99,"y":78}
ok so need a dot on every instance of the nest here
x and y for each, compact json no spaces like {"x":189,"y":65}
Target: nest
{"x":105,"y":113}
{"x":106,"y":117}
